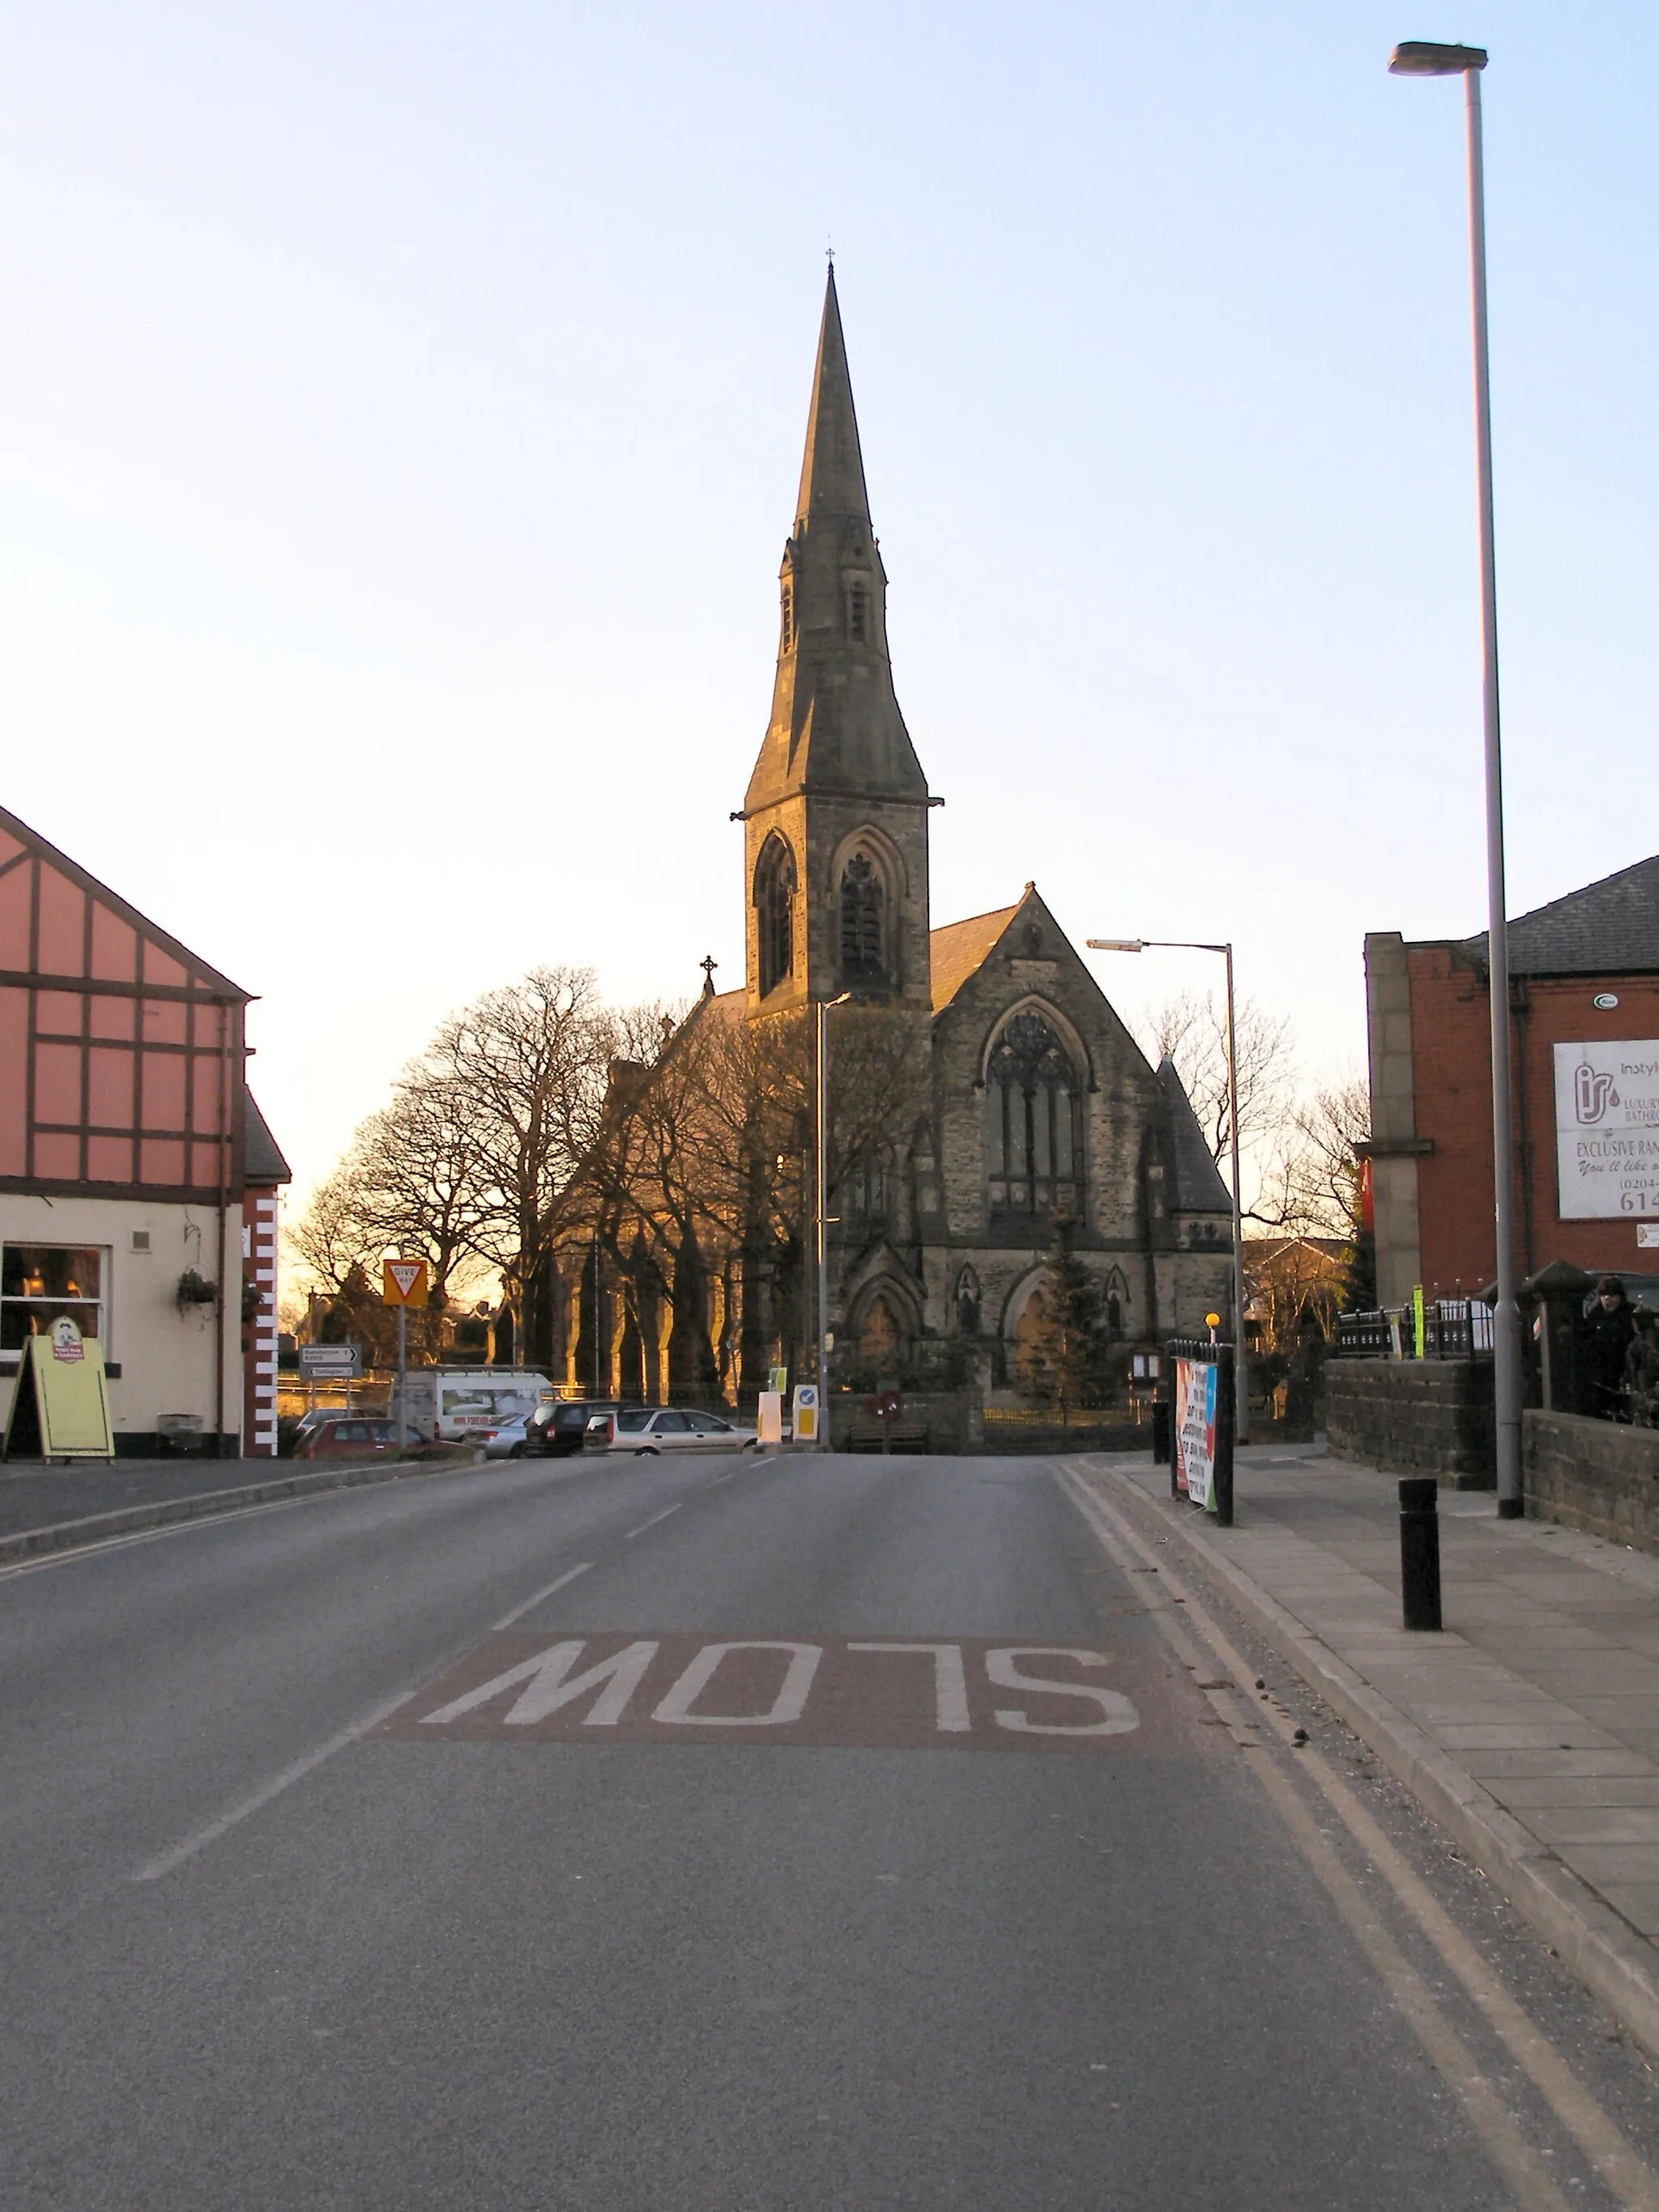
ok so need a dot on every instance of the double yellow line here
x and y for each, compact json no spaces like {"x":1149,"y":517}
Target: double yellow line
{"x":1224,"y":1676}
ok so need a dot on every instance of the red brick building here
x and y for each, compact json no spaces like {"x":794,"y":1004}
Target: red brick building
{"x":1584,"y":1040}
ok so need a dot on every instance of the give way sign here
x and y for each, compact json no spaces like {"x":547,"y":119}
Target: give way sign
{"x":403,"y":1282}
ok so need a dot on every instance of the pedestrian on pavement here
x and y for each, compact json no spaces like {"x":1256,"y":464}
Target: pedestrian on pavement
{"x":1611,"y":1327}
{"x":1641,"y":1369}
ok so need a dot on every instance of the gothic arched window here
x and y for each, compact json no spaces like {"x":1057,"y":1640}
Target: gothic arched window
{"x":788,"y":616}
{"x":1034,"y":1121}
{"x":863,"y":934}
{"x":866,"y":1190}
{"x":857,"y":614}
{"x":774,"y":913}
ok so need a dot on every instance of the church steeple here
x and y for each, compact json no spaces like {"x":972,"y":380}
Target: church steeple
{"x":828,"y":912}
{"x":832,"y":468}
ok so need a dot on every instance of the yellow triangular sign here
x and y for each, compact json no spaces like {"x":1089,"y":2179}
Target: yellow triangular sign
{"x":403,"y":1282}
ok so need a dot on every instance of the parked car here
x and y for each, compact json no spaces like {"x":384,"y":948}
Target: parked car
{"x":557,"y":1426}
{"x":646,"y":1431}
{"x":508,"y":1441}
{"x":341,"y":1436}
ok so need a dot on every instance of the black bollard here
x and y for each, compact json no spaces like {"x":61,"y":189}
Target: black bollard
{"x":1161,"y":1411}
{"x":1420,"y":1550}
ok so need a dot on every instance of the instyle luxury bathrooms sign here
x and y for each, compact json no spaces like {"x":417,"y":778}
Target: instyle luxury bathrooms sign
{"x":1607,"y":1128}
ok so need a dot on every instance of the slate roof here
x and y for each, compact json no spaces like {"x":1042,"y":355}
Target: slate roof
{"x":1198,"y":1185}
{"x":262,"y":1160}
{"x":959,"y":950}
{"x":1609,"y":928}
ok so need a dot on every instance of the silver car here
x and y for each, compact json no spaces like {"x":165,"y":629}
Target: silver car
{"x":647,"y":1430}
{"x":507,"y":1441}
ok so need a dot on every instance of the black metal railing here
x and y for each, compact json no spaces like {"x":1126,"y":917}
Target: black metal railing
{"x":1453,"y":1329}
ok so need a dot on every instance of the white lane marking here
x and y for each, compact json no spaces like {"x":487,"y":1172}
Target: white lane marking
{"x":530,"y":1603}
{"x":651,"y":1523}
{"x":154,"y":1869}
{"x":1597,"y":2134}
{"x":732,"y":1477}
{"x":68,"y":1554}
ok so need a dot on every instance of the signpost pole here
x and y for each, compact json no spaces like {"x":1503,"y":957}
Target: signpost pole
{"x":402,"y":1372}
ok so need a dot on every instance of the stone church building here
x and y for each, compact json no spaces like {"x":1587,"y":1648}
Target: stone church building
{"x":1039,"y":1103}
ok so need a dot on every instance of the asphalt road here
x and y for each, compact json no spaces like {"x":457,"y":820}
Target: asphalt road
{"x":331,"y":1881}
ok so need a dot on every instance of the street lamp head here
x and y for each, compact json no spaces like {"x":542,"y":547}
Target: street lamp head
{"x":1115,"y":944}
{"x":1420,"y":57}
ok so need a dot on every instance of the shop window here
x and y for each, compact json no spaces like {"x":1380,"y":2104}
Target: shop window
{"x":40,"y":1282}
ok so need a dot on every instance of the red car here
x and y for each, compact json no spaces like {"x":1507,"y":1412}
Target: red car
{"x":350,"y":1436}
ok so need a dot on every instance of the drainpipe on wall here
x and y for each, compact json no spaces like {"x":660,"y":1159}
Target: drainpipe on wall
{"x":225,"y":1305}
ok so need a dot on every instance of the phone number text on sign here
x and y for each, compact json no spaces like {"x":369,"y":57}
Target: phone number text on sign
{"x":1607,"y":1128}
{"x":880,"y":1692}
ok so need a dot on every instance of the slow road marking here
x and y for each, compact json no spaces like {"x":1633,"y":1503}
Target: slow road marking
{"x":891,"y":1693}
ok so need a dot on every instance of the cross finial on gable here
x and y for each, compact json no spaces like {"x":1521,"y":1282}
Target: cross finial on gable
{"x":709,"y":964}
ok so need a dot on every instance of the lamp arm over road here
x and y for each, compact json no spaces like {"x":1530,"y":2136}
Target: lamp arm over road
{"x":1418,"y":57}
{"x":1241,"y":1370}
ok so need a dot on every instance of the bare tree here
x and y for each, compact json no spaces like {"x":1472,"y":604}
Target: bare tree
{"x":332,"y":1236}
{"x":1192,"y":1033}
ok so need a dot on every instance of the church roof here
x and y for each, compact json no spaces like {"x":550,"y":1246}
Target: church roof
{"x":960,"y":950}
{"x":1609,"y":928}
{"x":1198,"y":1185}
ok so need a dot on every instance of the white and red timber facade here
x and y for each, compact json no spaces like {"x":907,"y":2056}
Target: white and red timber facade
{"x":139,"y":1181}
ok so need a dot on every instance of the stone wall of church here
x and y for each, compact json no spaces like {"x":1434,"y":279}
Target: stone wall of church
{"x":1121,"y":1101}
{"x":820,"y":832}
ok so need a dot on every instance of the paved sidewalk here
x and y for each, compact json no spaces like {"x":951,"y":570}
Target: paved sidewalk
{"x":1530,"y":1727}
{"x":41,"y":1497}
{"x":61,"y":1509}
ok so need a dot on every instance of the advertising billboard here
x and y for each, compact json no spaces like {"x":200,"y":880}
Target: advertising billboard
{"x":1607,"y":1129}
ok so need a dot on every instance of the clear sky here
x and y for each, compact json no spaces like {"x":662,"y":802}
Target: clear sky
{"x":401,"y":407}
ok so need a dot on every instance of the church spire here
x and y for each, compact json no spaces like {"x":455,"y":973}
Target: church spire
{"x":835,"y":725}
{"x":832,"y":468}
{"x":836,"y":817}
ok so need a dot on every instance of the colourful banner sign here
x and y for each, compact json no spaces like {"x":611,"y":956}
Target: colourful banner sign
{"x":1194,"y":1429}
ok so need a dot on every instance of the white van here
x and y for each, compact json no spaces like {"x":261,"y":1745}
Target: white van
{"x":447,"y":1405}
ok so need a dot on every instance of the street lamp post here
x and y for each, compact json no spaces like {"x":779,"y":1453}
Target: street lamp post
{"x":1241,"y":1373}
{"x":1418,"y":57}
{"x":822,"y":1224}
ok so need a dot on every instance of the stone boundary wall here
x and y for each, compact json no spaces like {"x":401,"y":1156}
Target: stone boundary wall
{"x":1592,"y":1475}
{"x":1414,"y":1417}
{"x":952,"y":1417}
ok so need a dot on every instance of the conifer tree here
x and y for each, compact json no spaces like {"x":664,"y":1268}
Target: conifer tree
{"x":1068,"y":1348}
